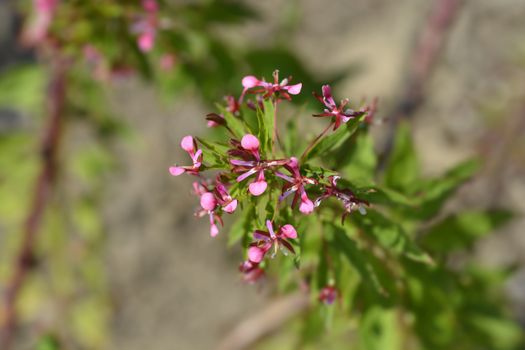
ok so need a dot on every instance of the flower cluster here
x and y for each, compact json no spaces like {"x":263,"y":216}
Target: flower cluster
{"x":245,"y":158}
{"x":146,"y":25}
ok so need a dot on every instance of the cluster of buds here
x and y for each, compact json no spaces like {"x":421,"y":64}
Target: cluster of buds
{"x":247,"y":159}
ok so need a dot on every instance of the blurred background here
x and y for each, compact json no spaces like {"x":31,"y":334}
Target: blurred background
{"x":119,"y":257}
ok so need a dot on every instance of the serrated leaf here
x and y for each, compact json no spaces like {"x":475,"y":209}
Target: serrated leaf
{"x":460,"y":230}
{"x":391,"y":236}
{"x":235,"y":124}
{"x":333,"y":140}
{"x":214,"y":154}
{"x":266,"y":125}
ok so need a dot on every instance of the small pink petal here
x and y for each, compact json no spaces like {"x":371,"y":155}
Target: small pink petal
{"x":208,"y":201}
{"x":255,"y":254}
{"x":230,"y":207}
{"x":176,"y":170}
{"x":249,"y":81}
{"x":306,"y":207}
{"x":212,"y":124}
{"x":150,"y":5}
{"x":146,"y":41}
{"x":295,"y":89}
{"x":214,"y":230}
{"x":289,"y":231}
{"x":187,"y":144}
{"x":250,"y":142}
{"x":257,"y":188}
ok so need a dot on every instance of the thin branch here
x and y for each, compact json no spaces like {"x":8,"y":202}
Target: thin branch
{"x":270,"y":319}
{"x":424,"y":59}
{"x":24,"y":260}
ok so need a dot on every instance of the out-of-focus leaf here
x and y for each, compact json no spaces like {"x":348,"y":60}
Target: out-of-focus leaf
{"x":499,"y":333}
{"x":356,"y":257}
{"x":385,"y":196}
{"x":48,"y":342}
{"x":359,"y":159}
{"x":433,"y":194}
{"x":403,"y":170}
{"x":460,"y":230}
{"x":333,"y":140}
{"x":242,"y":227}
{"x":380,"y":330}
{"x":390,"y":235}
{"x":23,"y":87}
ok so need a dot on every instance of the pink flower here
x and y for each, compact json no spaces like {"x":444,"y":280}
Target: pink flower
{"x":189,"y":145}
{"x":340,"y":114}
{"x":328,"y":295}
{"x":296,"y":184}
{"x":167,"y":61}
{"x":280,"y":89}
{"x":224,"y":199}
{"x":345,"y":196}
{"x":150,"y":5}
{"x":146,"y":40}
{"x":265,"y":240}
{"x":146,"y":26}
{"x":251,"y":271}
{"x":251,"y":163}
{"x":38,"y":29}
{"x":208,"y":204}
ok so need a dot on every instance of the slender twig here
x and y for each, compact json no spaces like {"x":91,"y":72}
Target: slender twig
{"x":270,"y":319}
{"x":424,"y":59}
{"x":48,"y":151}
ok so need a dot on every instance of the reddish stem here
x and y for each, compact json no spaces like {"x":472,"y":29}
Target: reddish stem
{"x":24,"y":260}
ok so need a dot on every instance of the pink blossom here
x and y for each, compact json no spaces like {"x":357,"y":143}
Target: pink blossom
{"x":345,"y":196}
{"x":189,"y":145}
{"x":167,"y":62}
{"x":251,"y":271}
{"x":279,"y":89}
{"x":266,"y":240}
{"x":340,"y":114}
{"x":328,"y":295}
{"x":146,"y":26}
{"x":224,"y":199}
{"x":44,"y":11}
{"x":296,"y":184}
{"x":150,"y":5}
{"x":251,"y":163}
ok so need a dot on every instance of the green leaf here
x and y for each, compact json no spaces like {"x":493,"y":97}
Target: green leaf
{"x":214,"y":154}
{"x":266,"y":125}
{"x":390,"y":236}
{"x":23,"y":87}
{"x":497,"y":331}
{"x":356,"y":257}
{"x":379,"y":330}
{"x":403,"y":167}
{"x":235,"y":124}
{"x":242,"y":227}
{"x":333,"y":140}
{"x":433,"y":194}
{"x":359,"y":159}
{"x":461,"y":230}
